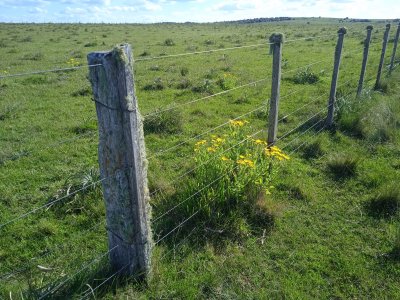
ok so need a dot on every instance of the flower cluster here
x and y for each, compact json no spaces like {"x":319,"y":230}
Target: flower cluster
{"x":276,"y":152}
{"x":73,"y":62}
{"x":238,"y":123}
{"x":245,"y":161}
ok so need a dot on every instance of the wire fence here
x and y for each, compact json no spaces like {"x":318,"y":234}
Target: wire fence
{"x":309,"y":127}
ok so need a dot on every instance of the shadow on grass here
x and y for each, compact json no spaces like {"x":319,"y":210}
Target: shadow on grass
{"x":386,"y":205}
{"x":80,"y":285}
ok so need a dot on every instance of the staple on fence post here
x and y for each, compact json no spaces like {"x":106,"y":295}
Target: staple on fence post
{"x":396,"y":40}
{"x":384,"y":44}
{"x":335,"y":75}
{"x":277,"y":40}
{"x":367,"y":42}
{"x":122,"y":160}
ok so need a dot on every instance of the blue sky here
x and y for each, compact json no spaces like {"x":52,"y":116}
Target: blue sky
{"x":145,"y":11}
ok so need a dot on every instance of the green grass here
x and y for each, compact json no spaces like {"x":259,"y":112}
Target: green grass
{"x":313,"y":237}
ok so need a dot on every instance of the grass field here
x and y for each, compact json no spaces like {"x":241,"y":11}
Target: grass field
{"x":330,"y":227}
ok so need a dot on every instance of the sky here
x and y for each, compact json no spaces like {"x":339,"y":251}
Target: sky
{"x":151,"y":11}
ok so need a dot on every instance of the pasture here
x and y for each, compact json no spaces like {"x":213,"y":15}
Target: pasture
{"x":314,"y":234}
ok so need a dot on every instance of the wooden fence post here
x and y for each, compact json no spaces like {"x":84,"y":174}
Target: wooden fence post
{"x":367,"y":42}
{"x":332,"y":96}
{"x":277,"y":40}
{"x":384,"y":44}
{"x":122,"y":160}
{"x":396,"y":40}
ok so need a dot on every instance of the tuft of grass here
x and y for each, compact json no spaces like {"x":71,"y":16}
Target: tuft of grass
{"x":156,"y":85}
{"x":167,"y":121}
{"x":33,"y":56}
{"x":169,"y":42}
{"x":205,"y":87}
{"x":184,"y":84}
{"x":305,"y":77}
{"x":342,"y":165}
{"x":184,"y":71}
{"x":313,"y":150}
{"x":395,"y":253}
{"x":90,"y":44}
{"x":8,"y":110}
{"x":155,"y":68}
{"x":3,"y":44}
{"x":382,"y":87}
{"x":263,"y":112}
{"x":145,"y":53}
{"x":82,"y":92}
{"x":370,"y":119}
{"x":386,"y":204}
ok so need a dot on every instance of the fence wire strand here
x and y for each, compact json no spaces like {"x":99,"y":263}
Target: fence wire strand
{"x":201,"y":52}
{"x":79,"y":271}
{"x":49,"y":71}
{"x":205,"y":98}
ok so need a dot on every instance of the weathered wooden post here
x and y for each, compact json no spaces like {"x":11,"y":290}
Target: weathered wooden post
{"x":277,"y":40}
{"x":384,"y":44}
{"x":122,"y":160}
{"x":367,"y":42}
{"x":335,"y":75}
{"x":396,"y":40}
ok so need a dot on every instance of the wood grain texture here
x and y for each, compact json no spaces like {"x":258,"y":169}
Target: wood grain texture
{"x":122,"y":159}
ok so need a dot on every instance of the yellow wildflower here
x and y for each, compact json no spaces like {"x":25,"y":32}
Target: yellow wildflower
{"x":224,"y":158}
{"x":276,"y":152}
{"x":260,"y":142}
{"x":211,"y":149}
{"x":246,"y":162}
{"x":238,"y":123}
{"x":200,"y":143}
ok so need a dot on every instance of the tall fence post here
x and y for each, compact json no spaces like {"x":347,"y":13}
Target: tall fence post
{"x":384,"y":45}
{"x":277,"y":40}
{"x":335,"y":75}
{"x":396,"y":40}
{"x":122,"y":160}
{"x":367,"y":42}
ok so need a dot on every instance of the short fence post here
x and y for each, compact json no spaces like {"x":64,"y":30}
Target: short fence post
{"x":367,"y":42}
{"x":396,"y":40}
{"x":332,"y":96}
{"x":122,"y":160}
{"x":277,"y":40}
{"x":384,"y":44}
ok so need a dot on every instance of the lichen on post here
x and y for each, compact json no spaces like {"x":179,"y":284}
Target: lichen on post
{"x":122,"y":160}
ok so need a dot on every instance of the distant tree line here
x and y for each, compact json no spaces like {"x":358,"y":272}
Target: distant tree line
{"x":261,"y":20}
